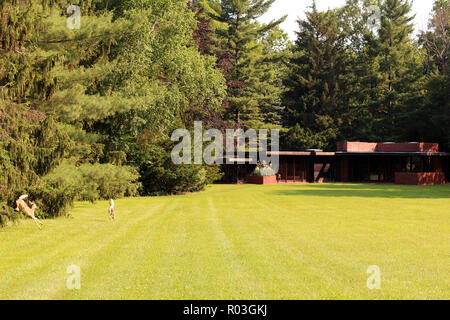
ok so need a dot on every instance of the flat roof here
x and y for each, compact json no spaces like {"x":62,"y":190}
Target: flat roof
{"x":360,"y":153}
{"x":289,"y":153}
{"x":325,"y":154}
{"x":240,"y":160}
{"x":300,"y":153}
{"x":343,"y":153}
{"x":395,"y":153}
{"x":358,"y":146}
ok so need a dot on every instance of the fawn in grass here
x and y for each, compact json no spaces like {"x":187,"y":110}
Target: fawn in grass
{"x":22,"y":205}
{"x":112,"y":210}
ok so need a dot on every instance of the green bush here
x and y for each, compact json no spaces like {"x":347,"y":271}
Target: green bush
{"x":67,"y":183}
{"x":263,"y":170}
{"x":7,"y":214}
{"x":107,"y":181}
{"x":213,"y":174}
{"x":54,"y":196}
{"x":160,"y":176}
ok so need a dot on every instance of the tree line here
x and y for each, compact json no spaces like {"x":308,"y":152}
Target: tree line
{"x":87,"y":113}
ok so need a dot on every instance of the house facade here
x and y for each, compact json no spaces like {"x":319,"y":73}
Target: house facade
{"x":412,"y":163}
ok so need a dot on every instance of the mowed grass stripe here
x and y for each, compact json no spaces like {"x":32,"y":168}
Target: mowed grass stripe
{"x":241,"y":280}
{"x":112,"y":271}
{"x":314,"y":257}
{"x":283,"y":251}
{"x":386,"y":245}
{"x":240,"y":242}
{"x":260,"y":254}
{"x":44,"y":270}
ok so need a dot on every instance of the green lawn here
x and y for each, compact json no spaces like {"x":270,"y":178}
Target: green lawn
{"x":240,"y":242}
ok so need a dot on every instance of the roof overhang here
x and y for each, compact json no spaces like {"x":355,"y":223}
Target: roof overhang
{"x":300,"y":153}
{"x":325,"y":154}
{"x":239,"y":160}
{"x":289,"y":153}
{"x":400,"y":154}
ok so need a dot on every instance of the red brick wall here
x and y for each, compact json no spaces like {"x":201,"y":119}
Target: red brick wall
{"x":387,"y":147}
{"x":420,"y":178}
{"x":356,"y":146}
{"x":262,"y":180}
{"x":342,"y":146}
{"x":408,"y":147}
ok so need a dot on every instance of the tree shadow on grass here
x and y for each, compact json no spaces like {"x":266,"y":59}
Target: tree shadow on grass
{"x":368,"y":191}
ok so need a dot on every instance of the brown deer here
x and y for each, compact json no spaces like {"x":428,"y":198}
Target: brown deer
{"x":22,"y":205}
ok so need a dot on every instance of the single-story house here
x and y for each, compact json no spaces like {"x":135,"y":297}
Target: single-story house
{"x":413,"y":163}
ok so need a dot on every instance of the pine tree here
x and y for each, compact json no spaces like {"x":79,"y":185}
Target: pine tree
{"x":31,"y":142}
{"x":269,"y":70}
{"x":316,"y":90}
{"x":393,"y":69}
{"x":241,"y":58}
{"x":162,"y":64}
{"x":428,"y":117}
{"x":94,"y":93}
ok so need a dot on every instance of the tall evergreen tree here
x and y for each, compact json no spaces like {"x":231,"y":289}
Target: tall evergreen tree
{"x":99,"y":93}
{"x":393,"y":69}
{"x":316,"y":89}
{"x":241,"y":56}
{"x":428,"y":118}
{"x":31,"y":142}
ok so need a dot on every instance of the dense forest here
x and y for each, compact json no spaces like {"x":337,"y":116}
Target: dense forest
{"x":87,"y":111}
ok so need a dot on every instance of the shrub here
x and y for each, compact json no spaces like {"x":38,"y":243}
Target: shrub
{"x":57,"y":191}
{"x":107,"y":181}
{"x":213,"y":174}
{"x":263,"y":170}
{"x":7,"y":214}
{"x":159,"y":175}
{"x":54,"y":196}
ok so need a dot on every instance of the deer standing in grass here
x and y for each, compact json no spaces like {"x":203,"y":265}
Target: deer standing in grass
{"x":112,"y":210}
{"x":22,"y":205}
